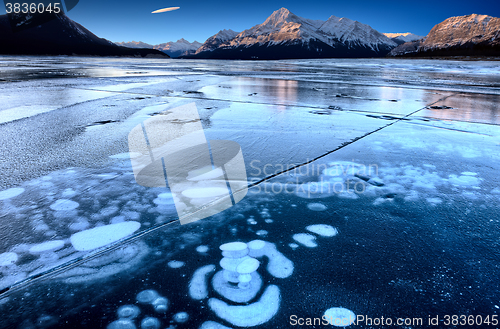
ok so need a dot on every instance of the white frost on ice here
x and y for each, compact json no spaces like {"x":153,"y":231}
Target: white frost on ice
{"x":434,"y":201}
{"x":103,"y":235}
{"x":8,"y":258}
{"x":46,"y":246}
{"x":464,"y":180}
{"x":323,"y":230}
{"x":11,"y":193}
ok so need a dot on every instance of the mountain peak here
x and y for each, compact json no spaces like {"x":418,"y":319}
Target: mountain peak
{"x":281,"y":15}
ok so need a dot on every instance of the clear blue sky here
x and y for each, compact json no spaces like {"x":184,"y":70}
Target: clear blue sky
{"x":128,"y":20}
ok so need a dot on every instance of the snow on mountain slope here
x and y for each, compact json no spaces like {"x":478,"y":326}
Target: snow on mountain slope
{"x":135,"y":44}
{"x":181,"y":46}
{"x":402,"y":37}
{"x":283,"y":25}
{"x":216,"y":40}
{"x":336,"y":37}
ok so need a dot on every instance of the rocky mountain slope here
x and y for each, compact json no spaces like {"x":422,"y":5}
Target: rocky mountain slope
{"x":471,"y":35}
{"x":59,"y":35}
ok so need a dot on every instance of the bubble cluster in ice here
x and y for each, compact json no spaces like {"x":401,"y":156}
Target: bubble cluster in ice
{"x":323,"y":230}
{"x":175,"y":264}
{"x":64,"y":205}
{"x":339,"y":316}
{"x":316,"y":207}
{"x":305,"y":239}
{"x":128,"y":311}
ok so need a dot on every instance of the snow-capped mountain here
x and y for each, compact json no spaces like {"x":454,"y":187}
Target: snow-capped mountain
{"x":401,"y":38}
{"x":286,"y":35}
{"x":180,"y":47}
{"x":216,"y":40}
{"x":471,"y":35}
{"x":59,"y":35}
{"x":135,"y":44}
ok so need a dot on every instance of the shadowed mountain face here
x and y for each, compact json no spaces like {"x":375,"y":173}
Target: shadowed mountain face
{"x":60,"y":36}
{"x":471,"y":35}
{"x":286,"y":35}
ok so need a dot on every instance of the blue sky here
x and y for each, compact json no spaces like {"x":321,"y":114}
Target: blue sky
{"x":128,"y":20}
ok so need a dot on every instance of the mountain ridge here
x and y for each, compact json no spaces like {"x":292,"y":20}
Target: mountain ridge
{"x":286,"y":35}
{"x":60,"y":35}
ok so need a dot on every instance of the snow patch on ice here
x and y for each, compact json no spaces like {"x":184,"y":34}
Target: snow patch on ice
{"x":100,"y":236}
{"x":11,"y":193}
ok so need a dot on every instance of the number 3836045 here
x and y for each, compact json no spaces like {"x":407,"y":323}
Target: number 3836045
{"x":32,"y":8}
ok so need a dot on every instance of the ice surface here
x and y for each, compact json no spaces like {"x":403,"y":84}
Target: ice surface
{"x":434,"y":179}
{"x":101,"y":236}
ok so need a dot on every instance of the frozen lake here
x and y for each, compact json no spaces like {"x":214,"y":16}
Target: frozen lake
{"x":373,"y":190}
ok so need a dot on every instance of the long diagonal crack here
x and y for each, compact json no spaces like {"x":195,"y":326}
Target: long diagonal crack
{"x":80,"y":260}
